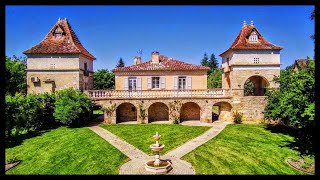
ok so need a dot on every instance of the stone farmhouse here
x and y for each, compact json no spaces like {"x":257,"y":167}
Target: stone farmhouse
{"x":161,"y":88}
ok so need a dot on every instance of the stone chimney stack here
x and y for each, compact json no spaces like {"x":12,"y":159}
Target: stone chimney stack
{"x":137,"y":60}
{"x":155,"y":57}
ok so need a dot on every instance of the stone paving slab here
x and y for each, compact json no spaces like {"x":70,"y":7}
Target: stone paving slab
{"x":136,"y":166}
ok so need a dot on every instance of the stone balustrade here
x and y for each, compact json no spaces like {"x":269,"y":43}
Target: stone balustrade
{"x":197,"y":93}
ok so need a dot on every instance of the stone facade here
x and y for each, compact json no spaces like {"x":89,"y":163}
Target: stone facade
{"x":56,"y":72}
{"x":192,"y":109}
{"x":198,"y":79}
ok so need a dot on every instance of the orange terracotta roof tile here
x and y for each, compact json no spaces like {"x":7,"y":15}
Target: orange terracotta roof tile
{"x":69,"y":43}
{"x":242,"y":41}
{"x":165,"y":63}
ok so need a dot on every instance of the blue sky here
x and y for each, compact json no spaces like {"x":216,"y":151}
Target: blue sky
{"x":180,"y":32}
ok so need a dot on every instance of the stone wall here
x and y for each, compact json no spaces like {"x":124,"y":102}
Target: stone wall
{"x":61,"y":80}
{"x":158,"y":112}
{"x":190,"y":111}
{"x":60,"y":61}
{"x":126,"y":112}
{"x":191,"y":108}
{"x":252,"y":107}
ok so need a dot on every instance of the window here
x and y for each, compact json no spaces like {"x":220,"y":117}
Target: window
{"x":182,"y":83}
{"x":253,"y":37}
{"x":132,"y":83}
{"x":155,"y":82}
{"x":52,"y":66}
{"x":86,"y":72}
{"x":57,"y":35}
{"x":255,"y":60}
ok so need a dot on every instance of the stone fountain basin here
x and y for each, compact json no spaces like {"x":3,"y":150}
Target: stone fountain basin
{"x":154,"y":147}
{"x":164,"y":167}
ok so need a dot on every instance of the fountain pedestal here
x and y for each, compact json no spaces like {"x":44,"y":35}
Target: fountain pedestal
{"x":158,"y":165}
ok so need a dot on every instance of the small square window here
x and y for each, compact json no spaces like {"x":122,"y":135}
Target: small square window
{"x":52,"y":66}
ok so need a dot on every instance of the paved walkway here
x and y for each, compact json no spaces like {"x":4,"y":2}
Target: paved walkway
{"x":139,"y":158}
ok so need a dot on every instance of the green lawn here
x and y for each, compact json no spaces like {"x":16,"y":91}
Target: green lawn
{"x":65,"y":151}
{"x":244,"y":149}
{"x":141,"y":135}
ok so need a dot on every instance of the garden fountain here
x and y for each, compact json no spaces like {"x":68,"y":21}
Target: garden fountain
{"x":158,"y":165}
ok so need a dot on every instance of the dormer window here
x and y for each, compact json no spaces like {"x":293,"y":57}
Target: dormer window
{"x":253,"y":37}
{"x":58,"y":33}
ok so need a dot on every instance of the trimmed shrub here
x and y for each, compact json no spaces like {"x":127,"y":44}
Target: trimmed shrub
{"x":72,"y":107}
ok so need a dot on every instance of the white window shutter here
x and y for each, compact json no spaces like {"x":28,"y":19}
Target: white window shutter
{"x":138,"y":83}
{"x":126,"y":81}
{"x":175,"y":82}
{"x":149,"y":82}
{"x":189,"y":82}
{"x":163,"y":82}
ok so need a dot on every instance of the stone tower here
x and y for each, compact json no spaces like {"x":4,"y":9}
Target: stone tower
{"x":59,"y":61}
{"x":251,"y":57}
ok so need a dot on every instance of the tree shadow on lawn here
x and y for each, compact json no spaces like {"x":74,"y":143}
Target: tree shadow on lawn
{"x":300,"y":143}
{"x":18,"y":139}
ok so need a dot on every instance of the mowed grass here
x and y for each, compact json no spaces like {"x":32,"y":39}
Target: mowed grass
{"x":141,"y":135}
{"x":244,"y":149}
{"x":66,"y":151}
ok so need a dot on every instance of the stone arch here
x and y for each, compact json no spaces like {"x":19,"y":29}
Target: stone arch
{"x":158,"y":111}
{"x":126,"y":112}
{"x":224,"y":111}
{"x":190,"y":111}
{"x":255,"y":85}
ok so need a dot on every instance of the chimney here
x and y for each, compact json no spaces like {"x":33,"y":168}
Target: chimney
{"x":137,"y":60}
{"x":155,"y":57}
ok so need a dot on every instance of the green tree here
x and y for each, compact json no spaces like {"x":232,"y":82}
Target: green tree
{"x":15,"y":75}
{"x":213,"y":62}
{"x":214,"y":79}
{"x":248,"y":88}
{"x":205,"y":61}
{"x":120,"y":63}
{"x":312,"y":18}
{"x":103,"y":79}
{"x":72,"y":107}
{"x":294,"y":102}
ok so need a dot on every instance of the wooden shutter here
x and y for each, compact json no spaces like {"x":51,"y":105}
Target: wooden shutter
{"x":175,"y":82}
{"x":126,"y":83}
{"x":189,"y":82}
{"x":138,"y":83}
{"x":163,"y":82}
{"x":149,"y":83}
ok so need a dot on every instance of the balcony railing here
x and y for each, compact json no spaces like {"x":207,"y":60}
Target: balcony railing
{"x":113,"y":94}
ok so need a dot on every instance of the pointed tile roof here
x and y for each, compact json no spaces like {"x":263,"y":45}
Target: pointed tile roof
{"x":242,"y":41}
{"x":67,"y":44}
{"x":165,"y":63}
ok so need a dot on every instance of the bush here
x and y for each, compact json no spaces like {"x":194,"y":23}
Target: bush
{"x":72,"y":107}
{"x":237,"y":117}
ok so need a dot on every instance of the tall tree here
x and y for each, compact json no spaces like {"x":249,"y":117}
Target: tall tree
{"x":312,"y":18}
{"x":103,"y":79}
{"x":15,"y":75}
{"x":213,"y":62}
{"x":204,"y":61}
{"x":120,"y":63}
{"x":294,"y":103}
